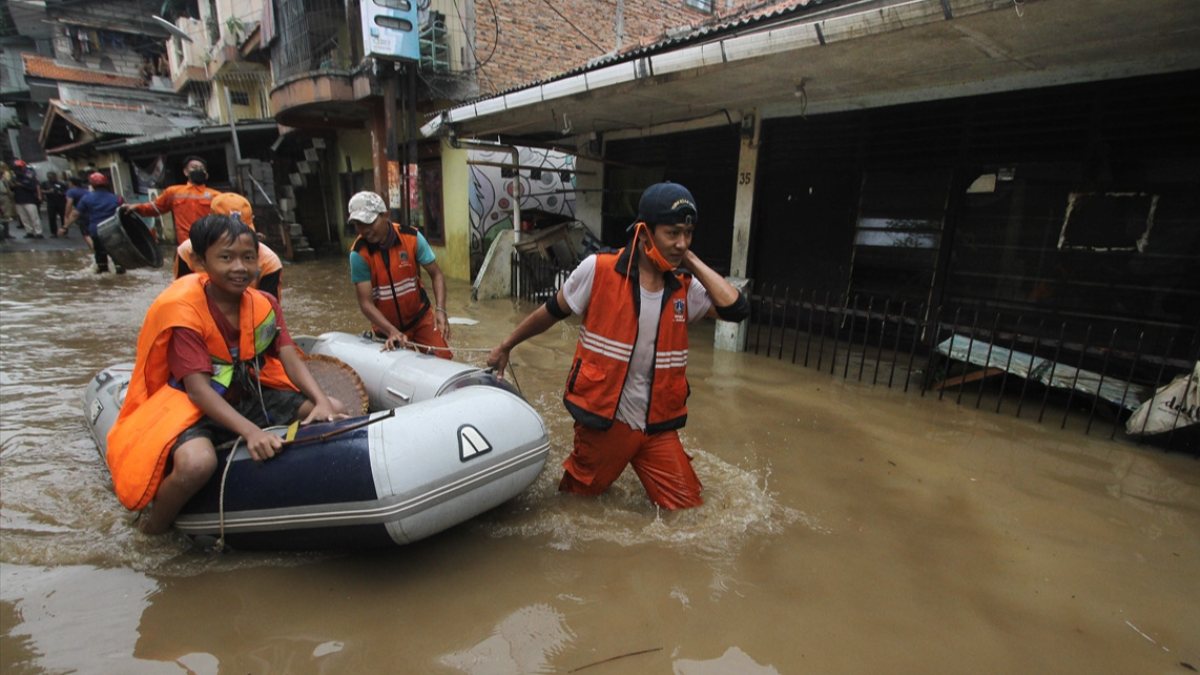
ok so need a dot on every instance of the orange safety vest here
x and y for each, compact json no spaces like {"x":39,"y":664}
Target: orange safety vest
{"x":606,"y":340}
{"x":155,"y":412}
{"x":186,"y":203}
{"x":396,"y":278}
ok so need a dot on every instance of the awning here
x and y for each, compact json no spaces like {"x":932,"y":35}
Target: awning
{"x":174,"y":140}
{"x":71,"y":125}
{"x":829,"y":58}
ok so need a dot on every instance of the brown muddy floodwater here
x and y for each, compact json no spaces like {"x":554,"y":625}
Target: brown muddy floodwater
{"x":847,"y":529}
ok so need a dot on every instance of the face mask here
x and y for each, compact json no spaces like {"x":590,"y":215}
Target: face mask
{"x":655,"y":256}
{"x":199,"y":176}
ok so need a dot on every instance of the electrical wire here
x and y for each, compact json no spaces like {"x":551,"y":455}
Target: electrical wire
{"x":479,"y":63}
{"x":577,"y":30}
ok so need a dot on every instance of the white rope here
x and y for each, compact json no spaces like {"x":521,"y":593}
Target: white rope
{"x":418,"y":347}
{"x":430,"y":348}
{"x":219,"y":546}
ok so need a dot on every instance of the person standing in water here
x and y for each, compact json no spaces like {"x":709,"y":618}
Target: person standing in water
{"x":94,"y":208}
{"x":627,"y":388}
{"x":186,"y":203}
{"x":384,"y":269}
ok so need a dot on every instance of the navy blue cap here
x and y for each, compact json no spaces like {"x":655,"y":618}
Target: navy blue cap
{"x":667,"y":203}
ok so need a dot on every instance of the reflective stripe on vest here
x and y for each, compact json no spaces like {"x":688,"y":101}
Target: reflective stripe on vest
{"x":264,"y":335}
{"x":605,"y":348}
{"x":397,"y":290}
{"x":613,"y":349}
{"x":396,"y":282}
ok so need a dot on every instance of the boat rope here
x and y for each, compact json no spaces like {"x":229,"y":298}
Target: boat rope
{"x":423,"y":348}
{"x":219,"y":545}
{"x":512,"y":368}
{"x":418,"y":347}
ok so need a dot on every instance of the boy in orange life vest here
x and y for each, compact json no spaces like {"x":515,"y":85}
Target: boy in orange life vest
{"x":387,"y":281}
{"x":627,"y":388}
{"x":214,"y":362}
{"x":186,"y":203}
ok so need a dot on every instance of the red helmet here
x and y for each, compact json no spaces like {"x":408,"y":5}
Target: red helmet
{"x":98,"y":179}
{"x":20,"y":164}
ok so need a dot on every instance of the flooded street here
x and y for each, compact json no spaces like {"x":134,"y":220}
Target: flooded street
{"x":846,"y":529}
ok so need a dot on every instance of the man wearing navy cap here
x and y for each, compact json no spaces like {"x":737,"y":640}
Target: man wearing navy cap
{"x":627,"y":388}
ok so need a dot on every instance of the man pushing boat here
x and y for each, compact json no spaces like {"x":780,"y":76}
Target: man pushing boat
{"x":627,"y":388}
{"x":384,"y":262}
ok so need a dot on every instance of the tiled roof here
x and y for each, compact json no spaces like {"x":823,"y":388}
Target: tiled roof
{"x":49,"y":69}
{"x":123,"y":120}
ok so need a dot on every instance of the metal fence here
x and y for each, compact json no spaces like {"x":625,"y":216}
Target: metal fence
{"x":533,"y":277}
{"x":1094,"y":372}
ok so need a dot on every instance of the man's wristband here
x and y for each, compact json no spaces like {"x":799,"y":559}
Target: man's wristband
{"x":439,"y":309}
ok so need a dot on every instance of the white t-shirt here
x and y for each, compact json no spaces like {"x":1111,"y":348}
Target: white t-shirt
{"x":578,"y":293}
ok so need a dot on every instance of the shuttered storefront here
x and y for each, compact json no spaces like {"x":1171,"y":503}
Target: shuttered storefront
{"x":704,"y":161}
{"x":1077,"y":201}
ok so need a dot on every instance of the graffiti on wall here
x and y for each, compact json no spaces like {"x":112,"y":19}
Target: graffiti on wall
{"x":492,"y":193}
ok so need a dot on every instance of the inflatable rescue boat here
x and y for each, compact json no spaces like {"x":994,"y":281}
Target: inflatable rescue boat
{"x":444,"y":442}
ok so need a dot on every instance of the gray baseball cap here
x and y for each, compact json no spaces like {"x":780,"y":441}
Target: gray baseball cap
{"x":365,"y":207}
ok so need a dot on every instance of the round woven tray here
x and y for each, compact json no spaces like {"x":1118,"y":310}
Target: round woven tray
{"x":339,"y":381}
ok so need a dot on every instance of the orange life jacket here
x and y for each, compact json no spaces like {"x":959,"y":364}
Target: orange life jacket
{"x":606,"y":340}
{"x":155,"y":412}
{"x":396,"y":278}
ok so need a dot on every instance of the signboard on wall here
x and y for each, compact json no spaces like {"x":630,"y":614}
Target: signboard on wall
{"x":390,"y":29}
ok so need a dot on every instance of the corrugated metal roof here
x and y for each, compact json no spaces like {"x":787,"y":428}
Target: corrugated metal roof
{"x":123,"y":120}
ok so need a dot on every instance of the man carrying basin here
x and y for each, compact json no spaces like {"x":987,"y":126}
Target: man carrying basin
{"x":94,"y":208}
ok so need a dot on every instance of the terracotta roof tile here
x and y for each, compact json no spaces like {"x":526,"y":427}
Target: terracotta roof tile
{"x":49,"y":69}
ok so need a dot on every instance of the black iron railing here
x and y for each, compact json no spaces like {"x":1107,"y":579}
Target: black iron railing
{"x":1096,"y":369}
{"x":533,"y":277}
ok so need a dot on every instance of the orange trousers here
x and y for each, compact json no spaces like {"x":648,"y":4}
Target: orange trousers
{"x":661,"y":464}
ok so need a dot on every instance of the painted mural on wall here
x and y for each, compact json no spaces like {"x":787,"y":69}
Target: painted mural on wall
{"x":492,"y":193}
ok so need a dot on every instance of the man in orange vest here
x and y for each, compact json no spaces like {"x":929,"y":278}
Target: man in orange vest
{"x":384,"y":269}
{"x":186,"y":203}
{"x":627,"y":388}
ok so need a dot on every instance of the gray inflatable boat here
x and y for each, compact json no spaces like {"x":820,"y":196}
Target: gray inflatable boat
{"x":444,"y":443}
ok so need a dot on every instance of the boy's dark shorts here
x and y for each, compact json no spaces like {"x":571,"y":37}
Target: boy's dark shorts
{"x":282,"y":407}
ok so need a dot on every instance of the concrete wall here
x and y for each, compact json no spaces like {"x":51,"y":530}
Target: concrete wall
{"x":589,"y":195}
{"x":455,"y":257}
